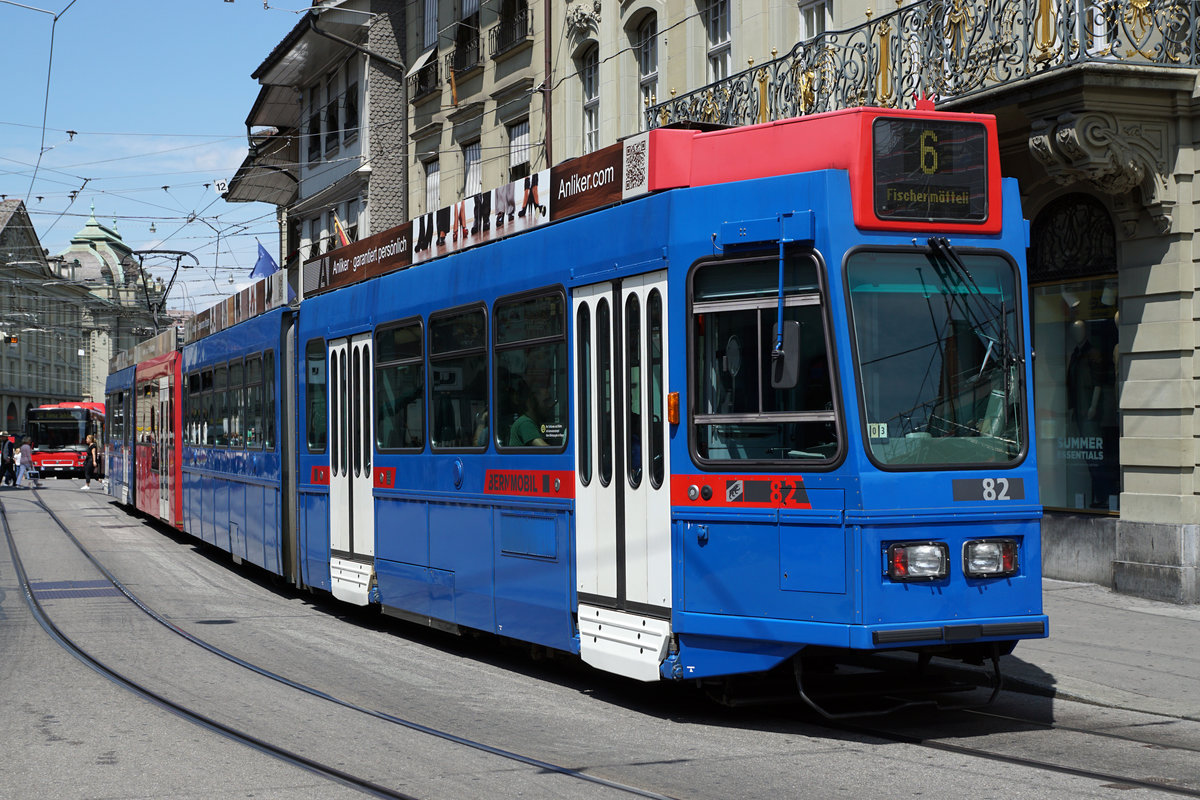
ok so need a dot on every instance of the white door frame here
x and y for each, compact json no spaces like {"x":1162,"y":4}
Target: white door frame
{"x":350,"y":373}
{"x":623,"y":507}
{"x":162,"y":442}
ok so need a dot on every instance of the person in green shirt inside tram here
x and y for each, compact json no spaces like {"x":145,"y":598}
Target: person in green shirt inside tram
{"x":526,"y":430}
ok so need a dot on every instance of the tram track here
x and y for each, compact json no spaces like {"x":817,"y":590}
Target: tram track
{"x":243,"y":737}
{"x":1107,"y":778}
{"x":1145,"y":742}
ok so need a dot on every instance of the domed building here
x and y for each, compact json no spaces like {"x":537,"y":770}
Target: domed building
{"x":130,"y":299}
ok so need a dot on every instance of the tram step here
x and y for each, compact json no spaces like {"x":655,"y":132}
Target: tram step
{"x":626,"y":644}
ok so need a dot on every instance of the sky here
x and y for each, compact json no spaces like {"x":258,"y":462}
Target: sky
{"x":156,"y":93}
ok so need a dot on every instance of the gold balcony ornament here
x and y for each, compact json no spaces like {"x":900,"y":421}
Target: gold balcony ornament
{"x":764,"y":109}
{"x":958,"y":18}
{"x":884,"y":86}
{"x":806,"y":90}
{"x":1045,"y":36}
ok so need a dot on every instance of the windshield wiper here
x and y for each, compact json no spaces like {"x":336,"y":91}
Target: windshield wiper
{"x":944,"y":255}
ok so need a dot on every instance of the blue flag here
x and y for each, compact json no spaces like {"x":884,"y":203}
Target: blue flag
{"x":265,"y":265}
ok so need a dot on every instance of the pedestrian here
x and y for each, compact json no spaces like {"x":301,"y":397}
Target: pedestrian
{"x":7,"y":474}
{"x":24,"y":460}
{"x":89,"y":462}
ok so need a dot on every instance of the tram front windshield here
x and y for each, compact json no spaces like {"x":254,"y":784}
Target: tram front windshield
{"x":937,"y":344}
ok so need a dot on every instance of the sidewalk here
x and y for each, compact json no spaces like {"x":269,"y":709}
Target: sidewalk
{"x":1112,"y":650}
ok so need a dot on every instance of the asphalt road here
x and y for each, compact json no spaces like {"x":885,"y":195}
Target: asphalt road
{"x":68,"y":732}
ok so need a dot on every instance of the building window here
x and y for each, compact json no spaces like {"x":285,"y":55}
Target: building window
{"x":466,"y":38}
{"x":589,"y":75}
{"x":518,"y":150}
{"x":314,"y":124}
{"x":647,"y":55}
{"x":720,"y":53}
{"x":472,"y":169}
{"x":815,"y":19}
{"x":431,"y":26}
{"x":433,"y":186}
{"x":350,"y":104}
{"x":315,"y":245}
{"x":332,"y":128}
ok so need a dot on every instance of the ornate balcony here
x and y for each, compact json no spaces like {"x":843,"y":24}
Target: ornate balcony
{"x":424,"y":81}
{"x":508,"y":33}
{"x":946,"y":49}
{"x":466,"y":56}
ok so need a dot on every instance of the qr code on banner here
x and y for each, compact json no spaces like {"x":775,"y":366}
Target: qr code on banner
{"x":635,"y":165}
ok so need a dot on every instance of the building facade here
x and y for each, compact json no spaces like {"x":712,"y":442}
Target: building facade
{"x":43,"y":335}
{"x":328,"y":129}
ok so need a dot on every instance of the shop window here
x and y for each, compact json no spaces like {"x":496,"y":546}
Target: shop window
{"x":1075,"y":316}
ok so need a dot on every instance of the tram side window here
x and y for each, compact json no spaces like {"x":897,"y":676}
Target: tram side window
{"x":218,"y":425}
{"x":400,"y":387}
{"x":252,"y":422}
{"x":112,"y":404}
{"x":236,"y":405}
{"x":316,"y":421}
{"x":268,"y":407}
{"x":116,"y":406}
{"x":206,"y":428}
{"x":531,"y":372}
{"x":738,"y":415}
{"x":147,"y":409}
{"x":191,"y":395}
{"x":458,"y":379}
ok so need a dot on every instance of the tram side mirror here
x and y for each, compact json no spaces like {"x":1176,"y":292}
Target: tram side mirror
{"x":785,"y":362}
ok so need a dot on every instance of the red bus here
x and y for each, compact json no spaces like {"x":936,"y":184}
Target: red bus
{"x":58,"y":431}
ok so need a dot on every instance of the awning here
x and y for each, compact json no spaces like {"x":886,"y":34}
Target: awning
{"x":269,"y":174}
{"x":275,"y":107}
{"x":421,"y":61}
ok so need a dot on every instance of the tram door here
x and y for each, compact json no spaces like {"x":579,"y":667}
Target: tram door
{"x":623,"y":513}
{"x":164,"y":437}
{"x":351,"y":500}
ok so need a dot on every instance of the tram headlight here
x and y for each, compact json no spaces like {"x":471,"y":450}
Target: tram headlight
{"x":990,"y":558}
{"x":917,"y":561}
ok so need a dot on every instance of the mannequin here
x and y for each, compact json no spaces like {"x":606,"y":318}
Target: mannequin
{"x":1083,"y":386}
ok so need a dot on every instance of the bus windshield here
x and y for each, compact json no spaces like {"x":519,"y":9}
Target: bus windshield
{"x":937,"y":349}
{"x":56,"y":434}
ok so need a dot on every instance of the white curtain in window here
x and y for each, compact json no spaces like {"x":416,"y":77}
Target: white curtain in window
{"x":518,"y":143}
{"x":473,"y":169}
{"x":433,"y":186}
{"x":431,"y":22}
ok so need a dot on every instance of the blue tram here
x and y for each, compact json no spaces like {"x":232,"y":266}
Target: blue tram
{"x":118,"y":449}
{"x":732,"y":395}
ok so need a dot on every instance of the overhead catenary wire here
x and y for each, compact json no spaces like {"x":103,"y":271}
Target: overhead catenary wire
{"x":104,"y":185}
